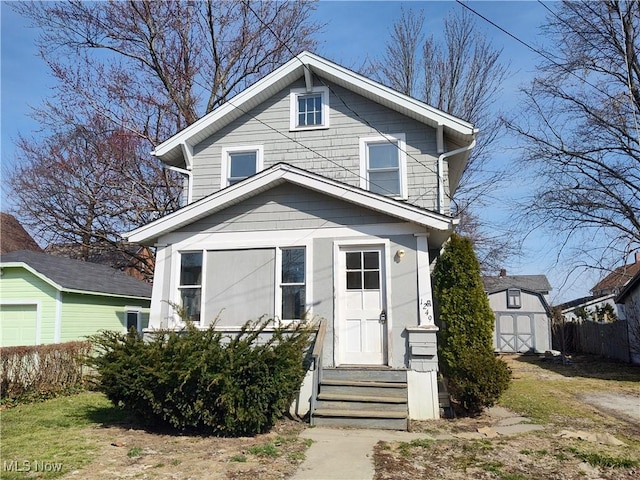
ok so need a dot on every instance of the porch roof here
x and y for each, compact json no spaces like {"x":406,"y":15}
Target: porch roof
{"x":282,"y":173}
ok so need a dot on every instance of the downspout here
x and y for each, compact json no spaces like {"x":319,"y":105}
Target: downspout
{"x":189,"y":175}
{"x":441,"y":157}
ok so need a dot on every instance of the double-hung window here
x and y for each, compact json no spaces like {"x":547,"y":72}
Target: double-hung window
{"x":293,"y":283}
{"x":239,"y":163}
{"x":383,"y":165}
{"x":309,"y":109}
{"x":191,"y":285}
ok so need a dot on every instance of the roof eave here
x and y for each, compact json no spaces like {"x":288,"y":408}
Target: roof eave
{"x":171,"y":150}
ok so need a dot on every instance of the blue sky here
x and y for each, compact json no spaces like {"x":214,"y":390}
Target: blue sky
{"x":355,"y":30}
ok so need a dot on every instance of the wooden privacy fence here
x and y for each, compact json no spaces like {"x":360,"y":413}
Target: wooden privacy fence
{"x":610,"y":340}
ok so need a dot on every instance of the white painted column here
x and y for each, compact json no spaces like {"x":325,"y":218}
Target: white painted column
{"x":425,"y":294}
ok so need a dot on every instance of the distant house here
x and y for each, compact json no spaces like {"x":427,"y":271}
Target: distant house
{"x":14,"y":237}
{"x":523,"y":316}
{"x":603,"y":294}
{"x":48,"y":299}
{"x":628,"y":302}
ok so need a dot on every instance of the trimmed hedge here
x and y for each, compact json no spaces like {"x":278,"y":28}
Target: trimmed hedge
{"x":35,"y":372}
{"x":476,"y":377}
{"x":201,"y":381}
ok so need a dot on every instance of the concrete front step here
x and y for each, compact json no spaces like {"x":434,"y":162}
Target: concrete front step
{"x":362,"y":398}
{"x":368,"y":389}
{"x":367,"y":374}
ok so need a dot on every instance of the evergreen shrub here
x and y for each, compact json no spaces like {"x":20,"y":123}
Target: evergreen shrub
{"x":475,"y":376}
{"x":203,"y":381}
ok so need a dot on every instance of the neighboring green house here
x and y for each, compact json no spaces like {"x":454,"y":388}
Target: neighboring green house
{"x":49,"y":299}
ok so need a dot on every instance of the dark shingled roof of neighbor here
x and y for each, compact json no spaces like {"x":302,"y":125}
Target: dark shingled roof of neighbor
{"x":78,"y":275}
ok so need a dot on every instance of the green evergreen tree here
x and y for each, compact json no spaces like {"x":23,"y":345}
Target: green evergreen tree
{"x":475,"y":376}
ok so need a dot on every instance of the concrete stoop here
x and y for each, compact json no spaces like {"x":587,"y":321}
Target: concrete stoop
{"x":362,"y":398}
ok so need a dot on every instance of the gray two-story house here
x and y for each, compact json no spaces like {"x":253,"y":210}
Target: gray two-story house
{"x":317,"y":193}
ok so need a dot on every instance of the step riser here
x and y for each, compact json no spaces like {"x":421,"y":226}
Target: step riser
{"x":377,"y":423}
{"x":364,"y":390}
{"x":379,"y":407}
{"x":365,"y":375}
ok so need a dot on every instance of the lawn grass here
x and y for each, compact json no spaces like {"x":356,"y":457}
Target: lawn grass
{"x":47,"y":436}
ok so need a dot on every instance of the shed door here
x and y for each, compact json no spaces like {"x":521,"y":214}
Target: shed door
{"x":514,"y":333}
{"x":18,"y":325}
{"x":361,"y":306}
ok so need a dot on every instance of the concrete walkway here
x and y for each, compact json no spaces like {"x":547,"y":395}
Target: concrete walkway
{"x":344,"y":454}
{"x":348,"y":454}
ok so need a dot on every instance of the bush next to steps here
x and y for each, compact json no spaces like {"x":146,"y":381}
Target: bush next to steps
{"x":475,"y":376}
{"x":204,"y":381}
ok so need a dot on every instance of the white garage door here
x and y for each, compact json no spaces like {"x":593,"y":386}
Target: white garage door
{"x":18,"y":325}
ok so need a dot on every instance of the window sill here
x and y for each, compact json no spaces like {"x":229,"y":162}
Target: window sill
{"x":305,"y":129}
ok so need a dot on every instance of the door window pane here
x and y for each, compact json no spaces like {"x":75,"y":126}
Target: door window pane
{"x":372,"y":280}
{"x":353,"y":260}
{"x":354,"y":280}
{"x":371,"y":260}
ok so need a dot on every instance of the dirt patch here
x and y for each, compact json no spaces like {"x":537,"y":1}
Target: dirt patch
{"x":131,"y":453}
{"x":551,"y":453}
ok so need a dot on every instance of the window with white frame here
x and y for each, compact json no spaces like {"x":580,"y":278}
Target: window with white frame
{"x":133,"y":319}
{"x":239,"y":163}
{"x":191,"y":284}
{"x":309,"y":109}
{"x":293,"y":283}
{"x":383,"y":165}
{"x":513,"y":298}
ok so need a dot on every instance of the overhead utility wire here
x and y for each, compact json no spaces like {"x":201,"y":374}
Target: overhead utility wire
{"x":384,"y":135}
{"x":533,"y":49}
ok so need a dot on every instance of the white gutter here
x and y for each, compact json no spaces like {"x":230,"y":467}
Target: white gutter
{"x":441,"y":157}
{"x":189,"y":175}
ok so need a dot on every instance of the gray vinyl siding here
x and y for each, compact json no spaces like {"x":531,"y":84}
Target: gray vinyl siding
{"x":288,"y":207}
{"x":332,"y":152}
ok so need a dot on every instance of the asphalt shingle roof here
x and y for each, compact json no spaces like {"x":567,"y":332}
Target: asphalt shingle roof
{"x":534,"y":283}
{"x":77,"y":275}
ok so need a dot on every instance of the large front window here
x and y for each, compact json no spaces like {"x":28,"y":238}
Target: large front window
{"x":383,"y":165}
{"x":191,"y":285}
{"x":293,"y":284}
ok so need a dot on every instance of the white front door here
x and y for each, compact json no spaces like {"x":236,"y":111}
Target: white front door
{"x":361,"y":306}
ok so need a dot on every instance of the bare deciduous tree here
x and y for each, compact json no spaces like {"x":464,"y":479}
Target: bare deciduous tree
{"x":581,"y":129}
{"x":460,"y":74}
{"x":81,"y":187}
{"x":129,"y":75}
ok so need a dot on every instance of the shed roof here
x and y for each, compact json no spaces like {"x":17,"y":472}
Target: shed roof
{"x":534,"y":283}
{"x":77,"y":276}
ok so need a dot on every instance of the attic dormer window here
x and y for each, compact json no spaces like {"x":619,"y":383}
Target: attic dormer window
{"x":309,"y":109}
{"x":513,"y":298}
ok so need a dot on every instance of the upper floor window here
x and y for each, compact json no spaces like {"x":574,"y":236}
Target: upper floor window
{"x":191,"y":284}
{"x":513,"y":298}
{"x":309,"y":110}
{"x":239,"y":163}
{"x":383,"y":165}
